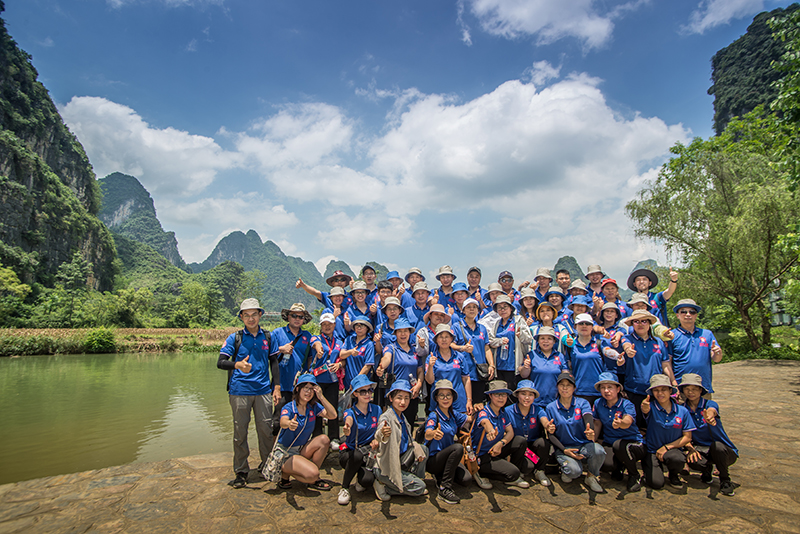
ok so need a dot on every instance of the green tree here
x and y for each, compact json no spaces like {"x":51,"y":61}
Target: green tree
{"x":787,"y":103}
{"x":72,"y":277}
{"x":722,"y":209}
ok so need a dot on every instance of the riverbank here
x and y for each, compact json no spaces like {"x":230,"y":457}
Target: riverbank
{"x":758,"y":403}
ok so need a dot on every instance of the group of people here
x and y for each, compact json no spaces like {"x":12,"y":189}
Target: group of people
{"x":515,"y":383}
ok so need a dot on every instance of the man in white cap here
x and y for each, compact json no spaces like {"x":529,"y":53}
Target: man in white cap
{"x":253,"y":384}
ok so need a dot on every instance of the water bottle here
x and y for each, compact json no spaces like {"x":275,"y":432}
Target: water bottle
{"x":470,"y":453}
{"x":372,"y":459}
{"x":504,"y":352}
{"x":412,"y":379}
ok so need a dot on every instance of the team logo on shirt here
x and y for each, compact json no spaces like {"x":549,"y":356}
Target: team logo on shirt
{"x":284,"y":412}
{"x":677,"y":422}
{"x":265,"y":345}
{"x":577,"y":413}
{"x":594,"y":347}
{"x":456,"y":365}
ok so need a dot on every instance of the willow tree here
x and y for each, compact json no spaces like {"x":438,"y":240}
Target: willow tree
{"x":720,"y":207}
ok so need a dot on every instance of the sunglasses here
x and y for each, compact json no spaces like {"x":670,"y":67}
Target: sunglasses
{"x":297,"y":316}
{"x":687,"y":312}
{"x":369,"y":391}
{"x":339,"y":280}
{"x":506,"y":280}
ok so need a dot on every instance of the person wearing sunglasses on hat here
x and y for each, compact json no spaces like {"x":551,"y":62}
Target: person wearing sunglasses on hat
{"x":693,"y":349}
{"x":360,"y":425}
{"x":360,"y":307}
{"x":586,"y":358}
{"x":710,"y":440}
{"x":400,"y":359}
{"x":358,"y":351}
{"x":506,"y":281}
{"x":645,"y":356}
{"x":669,"y":431}
{"x":525,"y":417}
{"x":445,"y":454}
{"x":643,"y":281}
{"x":544,"y":364}
{"x":297,"y":422}
{"x":337,"y":279}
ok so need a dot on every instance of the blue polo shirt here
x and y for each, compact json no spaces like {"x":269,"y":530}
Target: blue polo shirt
{"x":354,"y":313}
{"x":445,"y":299}
{"x":364,"y":424}
{"x":305,"y":424}
{"x":257,"y":381}
{"x":691,"y":353}
{"x":570,"y":429}
{"x":325,"y":300}
{"x":665,"y":427}
{"x":658,"y":306}
{"x":544,"y":373}
{"x":479,"y":337}
{"x":623,"y":308}
{"x":605,"y":414}
{"x":452,"y":370}
{"x":706,"y":435}
{"x":339,"y":331}
{"x":539,"y":295}
{"x":290,"y":364}
{"x":507,"y":330}
{"x":450,"y":426}
{"x":648,"y":361}
{"x":587,"y":364}
{"x":365,"y":356}
{"x":415,"y":316}
{"x":404,"y":364}
{"x":499,"y":421}
{"x":527,"y":426}
{"x":331,"y":347}
{"x":407,"y":299}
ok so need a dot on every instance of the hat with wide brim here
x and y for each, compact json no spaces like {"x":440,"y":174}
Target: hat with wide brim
{"x":420,"y":286}
{"x":399,"y":385}
{"x":555,"y":290}
{"x":639,"y":314}
{"x":607,"y":378}
{"x":611,"y":306}
{"x":444,"y":384}
{"x":360,"y":381}
{"x":393,"y":274}
{"x":460,"y":286}
{"x":642,"y":272}
{"x":436,"y":308}
{"x":494,"y":286}
{"x":250,"y":304}
{"x":498,"y":386}
{"x":358,"y":285}
{"x":338,"y":274}
{"x":594,"y":269}
{"x":445,"y":269}
{"x":542,"y":272}
{"x":401,"y":323}
{"x":660,"y":380}
{"x":362,"y":320}
{"x":443,"y":328}
{"x":296,"y":307}
{"x":528,"y":292}
{"x":527,"y":385}
{"x":305,"y":378}
{"x":546,"y":331}
{"x":580,"y":300}
{"x":337,"y":291}
{"x":687,"y":303}
{"x":692,"y":379}
{"x":577,"y":284}
{"x":502,"y":299}
{"x":415,"y":270}
{"x":392,"y":300}
{"x":544,"y":305}
{"x":639,"y":298}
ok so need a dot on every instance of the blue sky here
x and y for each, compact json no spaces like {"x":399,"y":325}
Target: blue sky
{"x":502,"y":133}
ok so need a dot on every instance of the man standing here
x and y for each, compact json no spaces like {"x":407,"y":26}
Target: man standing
{"x":253,"y":384}
{"x":693,"y":349}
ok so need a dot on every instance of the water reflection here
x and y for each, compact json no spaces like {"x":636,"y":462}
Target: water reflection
{"x":63,"y":414}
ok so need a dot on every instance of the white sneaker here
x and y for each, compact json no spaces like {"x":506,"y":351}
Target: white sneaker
{"x":334,"y":445}
{"x":482,"y":482}
{"x":520,"y":483}
{"x":380,"y":491}
{"x":593,"y":484}
{"x":344,"y":496}
{"x":358,"y":487}
{"x":542,"y":478}
{"x":565,"y":478}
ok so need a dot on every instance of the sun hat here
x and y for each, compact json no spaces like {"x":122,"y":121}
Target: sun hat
{"x":687,"y":303}
{"x":660,"y":380}
{"x":546,"y":331}
{"x":358,"y":285}
{"x":638,"y":298}
{"x":444,"y":384}
{"x":392,"y":300}
{"x":494,"y":286}
{"x":296,"y":307}
{"x":471,"y":301}
{"x":415,"y":270}
{"x":639,"y":314}
{"x":364,"y":321}
{"x":505,"y":274}
{"x":609,"y":281}
{"x":393,"y":274}
{"x":528,"y":292}
{"x":642,"y":272}
{"x":336,"y":290}
{"x":542,"y":272}
{"x":401,"y":384}
{"x":611,"y":306}
{"x":460,"y":286}
{"x":583,"y":318}
{"x":580,"y":300}
{"x":327,"y":318}
{"x":555,"y":290}
{"x":441,"y":329}
{"x":401,"y":323}
{"x":692,"y":379}
{"x":436,"y":308}
{"x":445,"y":269}
{"x":565,"y":375}
{"x":361,"y":381}
{"x":526,"y":385}
{"x":543,"y":305}
{"x":577,"y":284}
{"x":607,"y":378}
{"x":475,"y":269}
{"x":250,"y":304}
{"x":338,"y":274}
{"x":420,"y":286}
{"x":502,"y":299}
{"x":498,"y":386}
{"x":305,"y":378}
{"x":595,"y":269}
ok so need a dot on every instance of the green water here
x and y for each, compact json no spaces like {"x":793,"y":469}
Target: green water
{"x":64,"y":414}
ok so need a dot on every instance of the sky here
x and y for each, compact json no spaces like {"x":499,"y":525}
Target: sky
{"x":497,"y":133}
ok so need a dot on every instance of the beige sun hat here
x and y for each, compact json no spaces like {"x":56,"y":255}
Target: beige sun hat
{"x":250,"y":304}
{"x":577,"y":284}
{"x":296,"y":307}
{"x":436,"y":308}
{"x":542,"y":272}
{"x":660,"y":380}
{"x":359,"y":285}
{"x":445,"y":269}
{"x":639,"y":314}
{"x":337,"y":291}
{"x":420,"y":286}
{"x":595,"y":269}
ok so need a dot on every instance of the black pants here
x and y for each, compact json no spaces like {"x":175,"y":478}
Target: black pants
{"x":637,"y":399}
{"x":286,"y":398}
{"x":444,"y":466}
{"x":411,"y":413}
{"x":510,"y":378}
{"x":624,"y":453}
{"x":542,"y":448}
{"x":331,"y":394}
{"x":674,"y":460}
{"x":478,"y":392}
{"x":504,"y":465}
{"x":718,"y":454}
{"x":352,"y":461}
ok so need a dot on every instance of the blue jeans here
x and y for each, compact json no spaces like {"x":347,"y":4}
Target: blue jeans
{"x":594,"y":455}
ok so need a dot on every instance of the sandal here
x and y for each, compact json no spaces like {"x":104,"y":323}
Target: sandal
{"x":321,"y":485}
{"x":285,"y":484}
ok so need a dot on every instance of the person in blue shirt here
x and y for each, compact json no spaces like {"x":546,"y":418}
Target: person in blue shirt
{"x":323,"y":368}
{"x":298,"y":419}
{"x":526,"y":420}
{"x":543,"y":365}
{"x":459,"y":295}
{"x":360,"y":425}
{"x":558,"y":299}
{"x":510,"y":340}
{"x":543,"y":279}
{"x":413,"y":277}
{"x":358,"y":352}
{"x":595,"y":275}
{"x":571,"y":427}
{"x":693,"y":349}
{"x":710,"y":440}
{"x":478,"y":351}
{"x":615,"y":420}
{"x":400,"y":360}
{"x":337,"y":309}
{"x":419,"y":307}
{"x":384,"y":292}
{"x":643,"y":280}
{"x":669,"y":430}
{"x":384,"y":330}
{"x":611,"y":294}
{"x":253,"y":385}
{"x":586,"y":358}
{"x":493,"y":440}
{"x":445,"y":452}
{"x":449,"y":364}
{"x":336,"y":280}
{"x":474,"y":285}
{"x":610,"y":321}
{"x":359,"y":308}
{"x":369,"y":275}
{"x":506,"y":281}
{"x":527,"y":304}
{"x":546,"y":316}
{"x":400,"y":468}
{"x":444,"y":294}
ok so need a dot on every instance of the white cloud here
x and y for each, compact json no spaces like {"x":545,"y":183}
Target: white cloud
{"x":711,"y":13}
{"x":47,"y":43}
{"x":365,"y":229}
{"x":322,"y":263}
{"x":466,"y":36}
{"x":168,"y":3}
{"x":541,"y":72}
{"x":191,"y":46}
{"x":164,"y":160}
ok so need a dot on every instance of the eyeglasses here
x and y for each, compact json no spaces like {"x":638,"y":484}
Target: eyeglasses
{"x":444,"y":396}
{"x":688,"y":311}
{"x":251,"y":315}
{"x":369,"y":391}
{"x":297,"y":316}
{"x":307,"y":388}
{"x":640,"y":321}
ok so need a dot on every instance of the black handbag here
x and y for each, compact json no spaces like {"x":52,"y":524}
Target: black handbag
{"x":481,"y":369}
{"x":386,"y":381}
